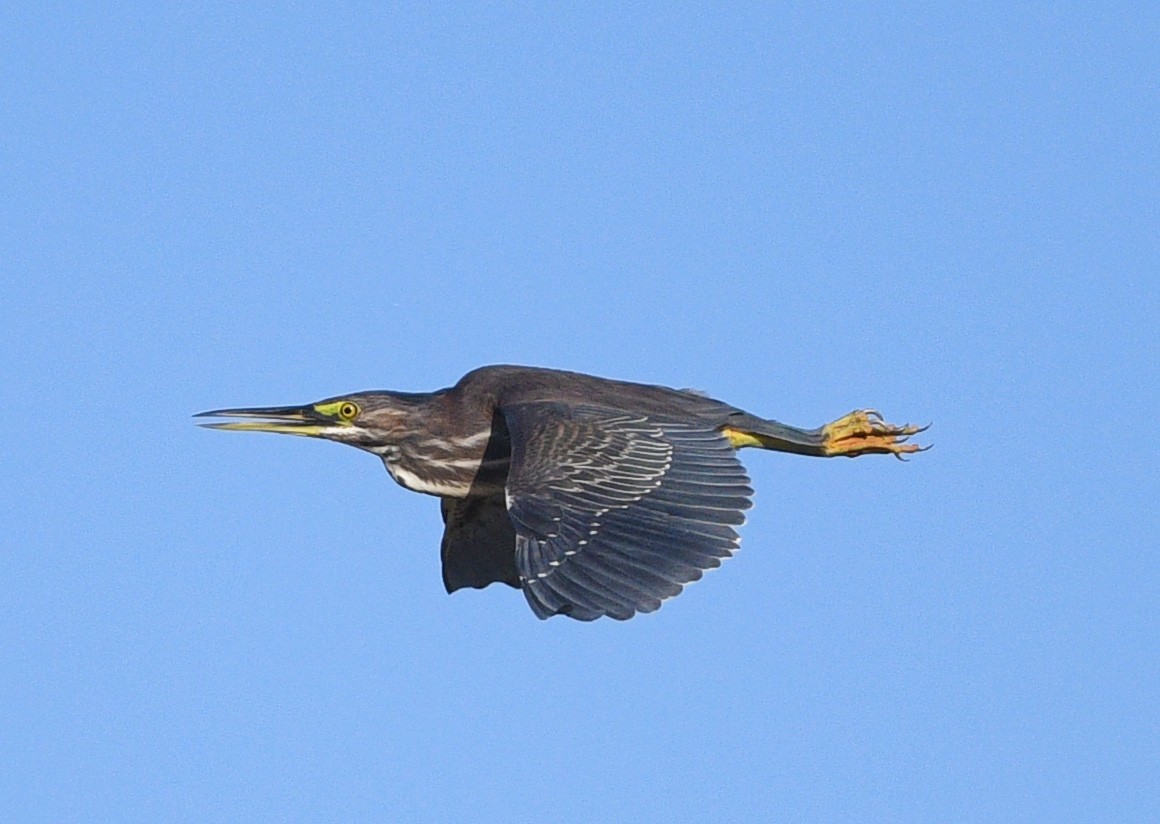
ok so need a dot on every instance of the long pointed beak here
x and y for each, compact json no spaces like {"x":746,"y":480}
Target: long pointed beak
{"x":286,"y":420}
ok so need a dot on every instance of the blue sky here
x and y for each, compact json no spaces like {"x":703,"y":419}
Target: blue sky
{"x":948,"y":212}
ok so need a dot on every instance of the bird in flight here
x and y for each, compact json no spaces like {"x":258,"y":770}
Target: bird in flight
{"x":594,"y":497}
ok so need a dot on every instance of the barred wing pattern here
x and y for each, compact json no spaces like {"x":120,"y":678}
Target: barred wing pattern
{"x":616,"y":511}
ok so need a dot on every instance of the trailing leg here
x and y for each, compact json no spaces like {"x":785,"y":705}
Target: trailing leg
{"x":862,"y":432}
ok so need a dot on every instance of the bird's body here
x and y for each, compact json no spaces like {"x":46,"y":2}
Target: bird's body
{"x":595,"y":497}
{"x":446,"y":457}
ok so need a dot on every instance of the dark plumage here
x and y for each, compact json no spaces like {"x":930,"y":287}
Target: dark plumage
{"x":595,"y":497}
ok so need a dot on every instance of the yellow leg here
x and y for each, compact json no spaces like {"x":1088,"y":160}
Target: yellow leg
{"x":864,"y":432}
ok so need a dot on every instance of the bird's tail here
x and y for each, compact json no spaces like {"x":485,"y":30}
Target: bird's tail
{"x":861,"y":432}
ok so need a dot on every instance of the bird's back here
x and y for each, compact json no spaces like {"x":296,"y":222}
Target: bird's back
{"x":525,"y":384}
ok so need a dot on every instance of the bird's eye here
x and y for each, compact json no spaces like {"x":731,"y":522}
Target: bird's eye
{"x":348,"y":411}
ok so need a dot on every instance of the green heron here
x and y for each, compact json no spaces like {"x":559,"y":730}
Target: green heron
{"x":595,"y":497}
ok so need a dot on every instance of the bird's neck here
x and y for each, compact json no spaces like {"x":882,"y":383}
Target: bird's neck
{"x":451,"y":466}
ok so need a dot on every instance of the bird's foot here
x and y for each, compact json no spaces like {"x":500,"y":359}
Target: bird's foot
{"x":865,"y":432}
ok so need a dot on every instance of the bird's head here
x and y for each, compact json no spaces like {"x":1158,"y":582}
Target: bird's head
{"x":368,"y":420}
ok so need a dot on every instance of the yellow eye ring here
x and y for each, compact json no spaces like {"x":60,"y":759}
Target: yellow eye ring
{"x":348,"y":411}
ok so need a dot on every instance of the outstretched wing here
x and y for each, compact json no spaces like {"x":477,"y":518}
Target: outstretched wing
{"x":615,"y":511}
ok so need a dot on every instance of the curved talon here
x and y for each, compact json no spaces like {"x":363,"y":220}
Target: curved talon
{"x":914,"y":451}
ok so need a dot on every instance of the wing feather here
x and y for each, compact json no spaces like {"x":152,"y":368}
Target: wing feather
{"x":479,"y":543}
{"x":615,"y":512}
